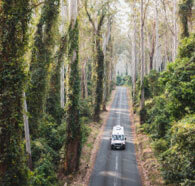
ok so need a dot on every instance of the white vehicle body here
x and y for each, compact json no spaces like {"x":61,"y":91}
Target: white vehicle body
{"x":118,"y":137}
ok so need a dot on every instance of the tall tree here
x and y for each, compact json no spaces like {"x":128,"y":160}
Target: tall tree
{"x":42,"y":58}
{"x":142,"y":54}
{"x":99,"y":59}
{"x":157,"y":55}
{"x":134,"y":56}
{"x":73,"y":139}
{"x":106,"y":42}
{"x":14,"y":19}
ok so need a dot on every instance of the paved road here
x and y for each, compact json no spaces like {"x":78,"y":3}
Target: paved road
{"x":116,"y":167}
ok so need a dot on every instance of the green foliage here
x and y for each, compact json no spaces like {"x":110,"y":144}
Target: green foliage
{"x":14,"y":19}
{"x":85,"y":108}
{"x":186,"y":48}
{"x":46,"y":152}
{"x":123,"y":80}
{"x":170,"y":97}
{"x":178,"y":161}
{"x":160,"y":146}
{"x":157,"y":116}
{"x":85,"y":130}
{"x":44,"y":173}
{"x":152,"y":85}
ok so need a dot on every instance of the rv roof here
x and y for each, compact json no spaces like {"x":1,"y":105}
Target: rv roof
{"x":118,"y":129}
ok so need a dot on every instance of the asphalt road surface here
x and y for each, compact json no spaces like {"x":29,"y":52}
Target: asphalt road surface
{"x":116,"y":167}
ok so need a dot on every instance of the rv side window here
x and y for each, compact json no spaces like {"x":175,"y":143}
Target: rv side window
{"x":118,"y":137}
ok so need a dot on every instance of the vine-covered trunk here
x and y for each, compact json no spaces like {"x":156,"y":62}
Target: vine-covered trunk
{"x":42,"y":57}
{"x":14,"y":19}
{"x":100,"y":75}
{"x":73,"y":139}
{"x":185,"y":12}
{"x":55,"y":101}
{"x":94,"y":67}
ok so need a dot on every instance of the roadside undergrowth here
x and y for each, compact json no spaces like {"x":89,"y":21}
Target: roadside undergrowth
{"x":148,"y":165}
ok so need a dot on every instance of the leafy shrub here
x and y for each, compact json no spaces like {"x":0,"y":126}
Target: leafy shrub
{"x":152,"y":85}
{"x":178,"y":161}
{"x":158,"y":117}
{"x":44,"y":173}
{"x":186,"y":48}
{"x":85,"y":108}
{"x":160,"y":146}
{"x":46,"y":151}
{"x":85,"y":130}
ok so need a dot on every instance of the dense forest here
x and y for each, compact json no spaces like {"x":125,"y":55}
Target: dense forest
{"x":59,"y":62}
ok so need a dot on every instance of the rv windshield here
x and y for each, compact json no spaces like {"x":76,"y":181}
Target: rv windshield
{"x":118,"y":137}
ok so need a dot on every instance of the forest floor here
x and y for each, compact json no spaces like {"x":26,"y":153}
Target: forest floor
{"x":89,"y":150}
{"x":148,"y":165}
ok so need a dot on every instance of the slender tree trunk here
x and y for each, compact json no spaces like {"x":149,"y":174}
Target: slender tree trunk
{"x":142,"y":57}
{"x":73,"y":139}
{"x":175,"y":30}
{"x":27,"y":132}
{"x":62,"y":85}
{"x":134,"y":57}
{"x":106,"y":68}
{"x":94,"y":66}
{"x":152,"y":49}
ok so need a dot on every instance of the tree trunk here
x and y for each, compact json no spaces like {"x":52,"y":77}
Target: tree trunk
{"x":175,"y":31}
{"x":14,"y":19}
{"x":142,"y":57}
{"x":42,"y":58}
{"x":26,"y":131}
{"x":106,"y":68}
{"x":62,"y":85}
{"x":100,"y":75}
{"x":185,"y":12}
{"x":84,"y":90}
{"x":134,"y":57}
{"x":73,"y":139}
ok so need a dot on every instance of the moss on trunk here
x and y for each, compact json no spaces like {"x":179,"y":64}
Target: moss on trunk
{"x":73,"y":140}
{"x":14,"y":19}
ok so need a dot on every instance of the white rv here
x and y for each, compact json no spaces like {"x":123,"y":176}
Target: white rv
{"x":118,"y":138}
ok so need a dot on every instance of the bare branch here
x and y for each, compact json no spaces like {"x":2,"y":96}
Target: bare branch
{"x":36,"y":5}
{"x":101,"y":21}
{"x":89,"y":16}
